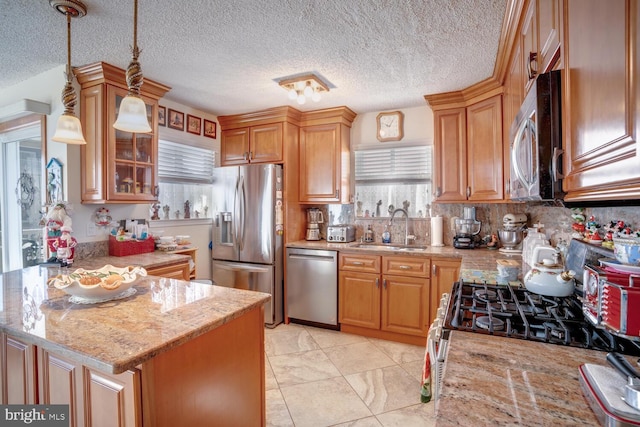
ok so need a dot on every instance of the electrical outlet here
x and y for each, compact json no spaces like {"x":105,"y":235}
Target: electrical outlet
{"x":91,"y":229}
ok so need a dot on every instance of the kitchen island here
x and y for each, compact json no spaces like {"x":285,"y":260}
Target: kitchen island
{"x":174,"y":353}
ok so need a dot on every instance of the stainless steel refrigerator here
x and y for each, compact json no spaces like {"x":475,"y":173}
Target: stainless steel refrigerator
{"x":247,"y":232}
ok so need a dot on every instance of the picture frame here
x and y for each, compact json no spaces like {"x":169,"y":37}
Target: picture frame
{"x":194,"y":124}
{"x":54,"y":182}
{"x":209,"y":129}
{"x":162,"y":115}
{"x":176,"y":120}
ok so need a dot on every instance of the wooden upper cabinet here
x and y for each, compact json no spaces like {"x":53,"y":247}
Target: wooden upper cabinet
{"x":469,"y":152}
{"x":529,"y":43}
{"x":550,"y":38}
{"x":116,"y":166}
{"x":255,"y":144}
{"x":485,"y":150}
{"x":600,"y":95}
{"x":325,"y":156}
{"x":450,"y":154}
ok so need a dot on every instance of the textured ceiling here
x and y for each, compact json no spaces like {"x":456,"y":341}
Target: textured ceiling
{"x":225,"y":57}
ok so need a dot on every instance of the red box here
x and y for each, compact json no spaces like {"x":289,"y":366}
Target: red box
{"x":130,"y":247}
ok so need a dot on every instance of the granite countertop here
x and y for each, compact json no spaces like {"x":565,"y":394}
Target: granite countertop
{"x":491,"y":380}
{"x":118,"y":335}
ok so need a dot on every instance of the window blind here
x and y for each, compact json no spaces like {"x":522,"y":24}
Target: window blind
{"x":184,"y":163}
{"x":394,"y":165}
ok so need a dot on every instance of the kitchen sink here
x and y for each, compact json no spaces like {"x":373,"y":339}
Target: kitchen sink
{"x":398,"y":248}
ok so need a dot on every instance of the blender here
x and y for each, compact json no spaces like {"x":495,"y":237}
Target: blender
{"x":466,"y":229}
{"x":314,"y":218}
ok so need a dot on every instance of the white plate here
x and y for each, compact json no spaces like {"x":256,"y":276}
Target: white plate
{"x":617,"y":265}
{"x":70,"y":283}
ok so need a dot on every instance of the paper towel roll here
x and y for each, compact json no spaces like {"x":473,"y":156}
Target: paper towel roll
{"x":436,"y":231}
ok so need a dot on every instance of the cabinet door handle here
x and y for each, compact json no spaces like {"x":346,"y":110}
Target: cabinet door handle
{"x":532,"y":67}
{"x":468,"y":192}
{"x":438,"y":192}
{"x":357,"y":263}
{"x":250,"y":155}
{"x":557,"y":152}
{"x":377,"y":283}
{"x":404,"y":267}
{"x":384,"y":283}
{"x":156,"y":191}
{"x":337,"y":194}
{"x":433,"y":270}
{"x":245,"y":155}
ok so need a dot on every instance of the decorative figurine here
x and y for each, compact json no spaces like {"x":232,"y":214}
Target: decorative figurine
{"x":187,"y":210}
{"x":56,"y":218}
{"x":156,"y":208}
{"x":405,"y":205}
{"x":197,"y":214}
{"x":65,"y":246}
{"x":177,"y":214}
{"x":359,"y":209}
{"x":205,"y":208}
{"x":391,"y":209}
{"x":102,"y":217}
{"x":166,"y":210}
{"x":493,"y":242}
{"x":378,"y":207}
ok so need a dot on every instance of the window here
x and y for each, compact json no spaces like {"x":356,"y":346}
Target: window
{"x":185,"y":173}
{"x":390,"y":178}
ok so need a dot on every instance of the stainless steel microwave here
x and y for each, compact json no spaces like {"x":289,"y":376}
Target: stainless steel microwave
{"x":536,"y":143}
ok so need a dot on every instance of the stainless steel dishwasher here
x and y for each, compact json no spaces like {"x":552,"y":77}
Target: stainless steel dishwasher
{"x":312,"y":286}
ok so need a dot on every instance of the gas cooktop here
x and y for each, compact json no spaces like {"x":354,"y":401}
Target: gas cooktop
{"x":509,"y":311}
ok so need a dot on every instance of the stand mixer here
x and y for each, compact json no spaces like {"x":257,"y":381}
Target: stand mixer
{"x":511,"y":234}
{"x":466,"y":229}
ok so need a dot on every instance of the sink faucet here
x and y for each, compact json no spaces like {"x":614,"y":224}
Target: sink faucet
{"x":407,"y":236}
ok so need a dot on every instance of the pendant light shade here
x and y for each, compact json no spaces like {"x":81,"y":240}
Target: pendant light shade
{"x":69,"y":129}
{"x":132,"y":114}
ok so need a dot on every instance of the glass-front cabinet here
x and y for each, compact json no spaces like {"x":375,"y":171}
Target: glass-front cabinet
{"x":116,"y":166}
{"x":132,"y":171}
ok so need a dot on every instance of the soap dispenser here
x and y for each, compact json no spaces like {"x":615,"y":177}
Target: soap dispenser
{"x":368,"y":235}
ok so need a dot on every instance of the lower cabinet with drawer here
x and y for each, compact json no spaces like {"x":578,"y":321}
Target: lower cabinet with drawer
{"x":385,"y":296}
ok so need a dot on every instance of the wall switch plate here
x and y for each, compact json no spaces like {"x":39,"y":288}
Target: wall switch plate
{"x":91,"y":229}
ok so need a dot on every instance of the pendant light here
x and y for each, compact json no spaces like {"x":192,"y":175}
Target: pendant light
{"x":132,"y":113}
{"x":69,"y":129}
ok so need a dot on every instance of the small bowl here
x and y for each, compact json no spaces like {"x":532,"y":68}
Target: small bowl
{"x":627,"y":250}
{"x":166,"y":239}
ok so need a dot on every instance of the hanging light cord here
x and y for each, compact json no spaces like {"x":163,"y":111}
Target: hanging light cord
{"x":69,"y":97}
{"x":134,"y":70}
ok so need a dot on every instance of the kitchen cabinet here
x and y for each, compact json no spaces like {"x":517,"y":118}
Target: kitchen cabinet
{"x":325,"y":157}
{"x":180,"y":271}
{"x":94,"y":397}
{"x":444,"y":272}
{"x":255,"y":144}
{"x":540,"y":38}
{"x":116,"y":166}
{"x":384,"y":296}
{"x":468,"y":152}
{"x":600,"y":111}
{"x":17,"y":371}
{"x":192,"y":252}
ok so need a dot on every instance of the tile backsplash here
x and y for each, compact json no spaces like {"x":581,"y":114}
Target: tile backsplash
{"x":490,"y":215}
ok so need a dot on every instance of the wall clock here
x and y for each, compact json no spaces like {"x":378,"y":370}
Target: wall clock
{"x":390,"y":126}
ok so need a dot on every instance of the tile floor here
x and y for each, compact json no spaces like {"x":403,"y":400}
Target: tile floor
{"x":318,"y":377}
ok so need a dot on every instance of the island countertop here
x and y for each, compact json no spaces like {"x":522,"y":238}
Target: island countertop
{"x":117,"y":335}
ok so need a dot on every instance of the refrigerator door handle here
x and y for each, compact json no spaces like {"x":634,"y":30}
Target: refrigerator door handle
{"x":242,"y":213}
{"x":236,"y":222}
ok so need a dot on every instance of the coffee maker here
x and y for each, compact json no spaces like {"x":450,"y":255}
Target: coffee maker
{"x":466,"y":229}
{"x":314,"y":218}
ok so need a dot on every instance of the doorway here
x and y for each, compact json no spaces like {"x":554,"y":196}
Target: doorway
{"x":22,"y":192}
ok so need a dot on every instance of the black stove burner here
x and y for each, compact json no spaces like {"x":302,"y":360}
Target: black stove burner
{"x":490,"y":323}
{"x":508,"y":311}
